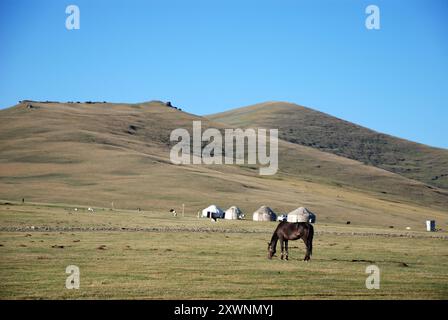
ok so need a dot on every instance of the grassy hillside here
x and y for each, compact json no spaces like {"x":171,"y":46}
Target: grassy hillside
{"x":308,"y":127}
{"x":63,"y":158}
{"x":99,"y":154}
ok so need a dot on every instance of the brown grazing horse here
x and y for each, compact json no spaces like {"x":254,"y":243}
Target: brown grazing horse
{"x":292,"y":231}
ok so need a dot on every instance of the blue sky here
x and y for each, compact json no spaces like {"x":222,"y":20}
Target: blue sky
{"x":213,"y":55}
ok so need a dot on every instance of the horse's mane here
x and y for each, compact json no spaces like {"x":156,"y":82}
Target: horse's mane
{"x":274,"y":238}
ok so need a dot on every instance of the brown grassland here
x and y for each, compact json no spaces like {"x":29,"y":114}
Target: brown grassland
{"x":115,"y":158}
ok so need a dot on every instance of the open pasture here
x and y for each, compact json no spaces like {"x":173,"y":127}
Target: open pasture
{"x":191,"y":258}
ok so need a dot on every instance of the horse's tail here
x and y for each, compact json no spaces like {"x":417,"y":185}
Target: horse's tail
{"x":309,"y":240}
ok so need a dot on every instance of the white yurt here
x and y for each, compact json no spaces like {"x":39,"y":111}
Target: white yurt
{"x":213,"y":212}
{"x":233,"y":213}
{"x":301,"y":215}
{"x":264,"y":214}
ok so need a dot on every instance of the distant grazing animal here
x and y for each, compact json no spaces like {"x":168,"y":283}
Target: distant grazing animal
{"x":286,"y":231}
{"x":91,"y":210}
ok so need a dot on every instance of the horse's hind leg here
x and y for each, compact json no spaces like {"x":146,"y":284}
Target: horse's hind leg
{"x":307,"y":254}
{"x":286,"y":249}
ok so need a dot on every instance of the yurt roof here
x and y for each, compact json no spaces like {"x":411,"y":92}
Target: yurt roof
{"x":265,"y":209}
{"x":300,"y":211}
{"x":301,"y":215}
{"x":213,"y":208}
{"x":235,"y":208}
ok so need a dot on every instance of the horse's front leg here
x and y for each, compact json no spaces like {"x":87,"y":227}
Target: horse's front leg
{"x":282,"y":245}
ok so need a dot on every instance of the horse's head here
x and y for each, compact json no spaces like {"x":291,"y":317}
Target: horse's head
{"x":271,"y":250}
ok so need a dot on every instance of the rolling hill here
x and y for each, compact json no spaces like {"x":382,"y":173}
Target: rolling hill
{"x":304,"y":126}
{"x":105,"y":154}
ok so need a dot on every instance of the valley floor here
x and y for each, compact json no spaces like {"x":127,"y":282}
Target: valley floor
{"x":152,"y":255}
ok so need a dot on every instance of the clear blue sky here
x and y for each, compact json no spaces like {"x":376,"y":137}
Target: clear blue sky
{"x":209,"y":56}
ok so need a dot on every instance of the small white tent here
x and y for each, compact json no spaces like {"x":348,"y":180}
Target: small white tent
{"x":213,"y":212}
{"x":301,"y":215}
{"x":233,"y":213}
{"x":264,"y":214}
{"x":430,"y":225}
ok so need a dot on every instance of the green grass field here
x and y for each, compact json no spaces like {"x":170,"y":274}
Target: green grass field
{"x":225,"y":260}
